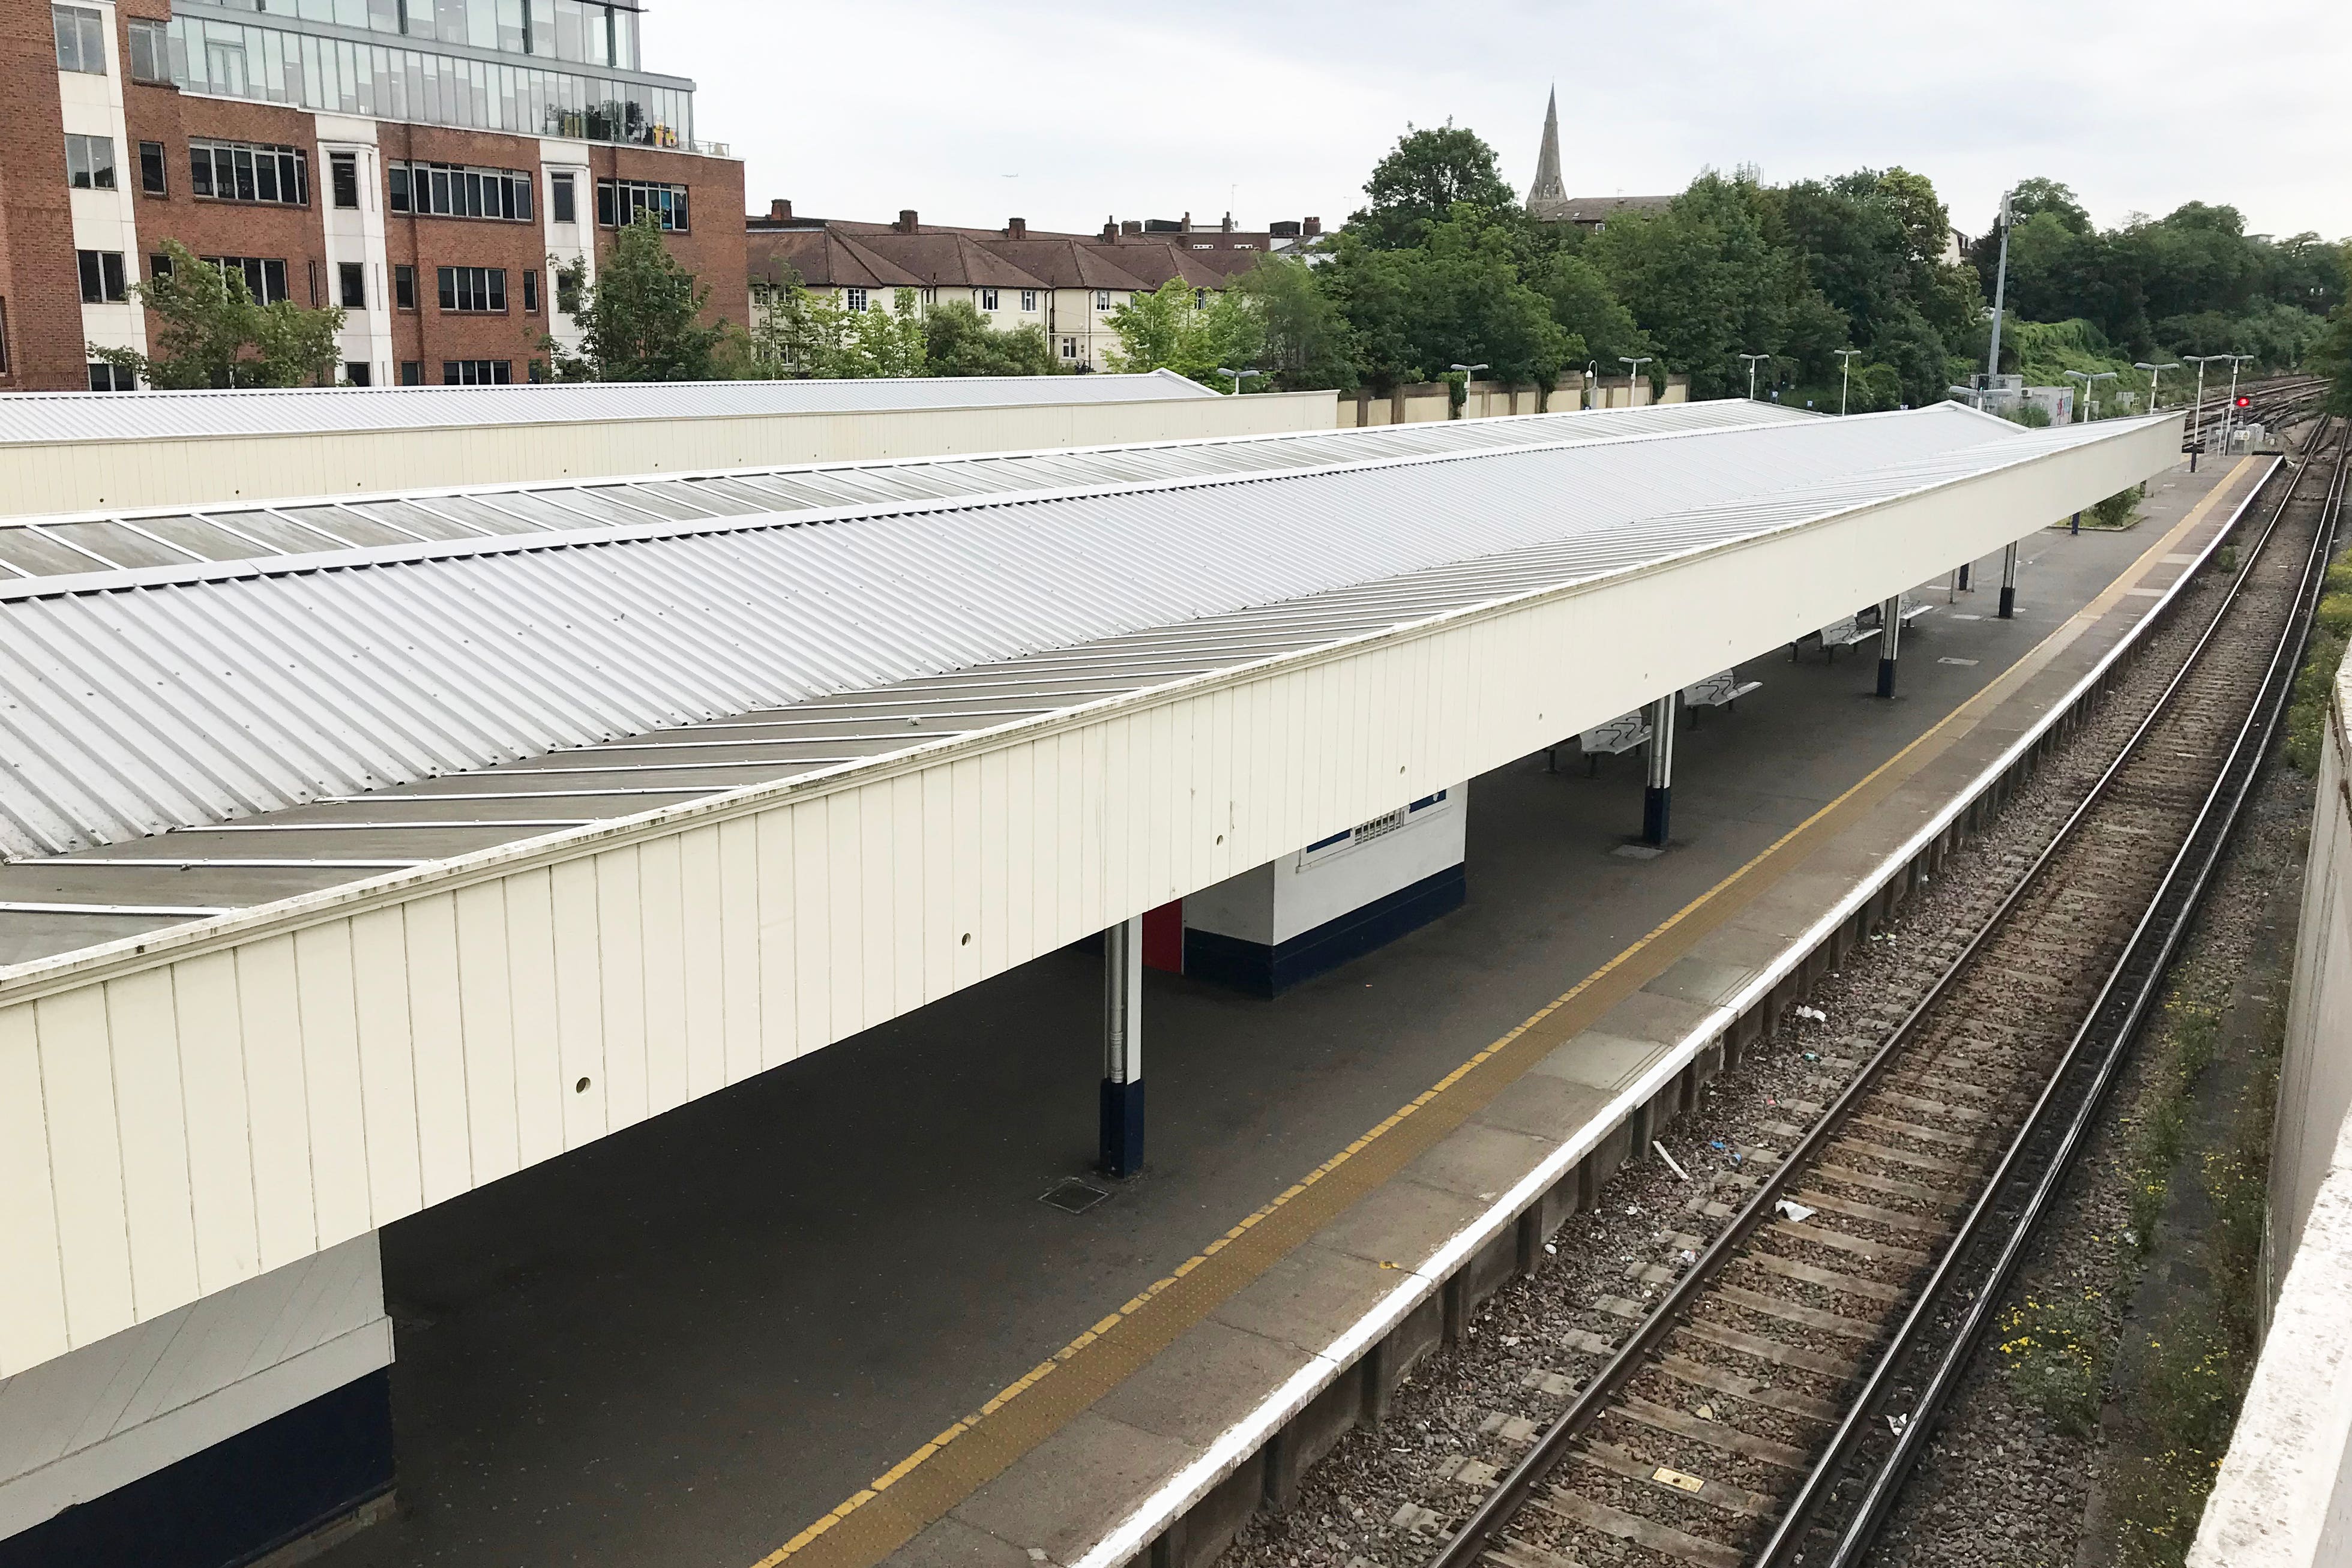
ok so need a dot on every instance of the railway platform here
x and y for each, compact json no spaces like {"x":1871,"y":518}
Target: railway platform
{"x":805,"y":1322}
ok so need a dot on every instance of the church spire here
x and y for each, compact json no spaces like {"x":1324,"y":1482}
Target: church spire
{"x":1548,"y":187}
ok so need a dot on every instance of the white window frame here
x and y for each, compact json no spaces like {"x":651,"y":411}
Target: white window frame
{"x":1029,"y":302}
{"x":89,"y":36}
{"x":988,"y":300}
{"x":853,"y":298}
{"x":1102,"y":299}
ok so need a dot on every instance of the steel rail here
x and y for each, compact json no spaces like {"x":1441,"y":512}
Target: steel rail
{"x":2164,"y":923}
{"x":1510,"y":1494}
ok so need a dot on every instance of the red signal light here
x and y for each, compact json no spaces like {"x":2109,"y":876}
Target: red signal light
{"x":2245,"y":403}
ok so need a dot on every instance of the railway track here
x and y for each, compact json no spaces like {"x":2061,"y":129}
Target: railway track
{"x":1766,"y":1410}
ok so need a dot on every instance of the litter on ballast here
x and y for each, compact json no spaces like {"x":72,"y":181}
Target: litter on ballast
{"x":1813,"y":1013}
{"x":1794,"y":1211}
{"x":1895,"y":1424}
{"x":1672,"y":1163}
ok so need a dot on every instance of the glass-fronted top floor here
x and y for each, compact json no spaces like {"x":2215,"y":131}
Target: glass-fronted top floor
{"x":324,"y":63}
{"x":586,"y":32}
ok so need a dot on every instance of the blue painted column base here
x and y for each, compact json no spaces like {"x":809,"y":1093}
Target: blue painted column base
{"x":1657,"y":809}
{"x":1886,"y":677}
{"x":1122,"y":1127}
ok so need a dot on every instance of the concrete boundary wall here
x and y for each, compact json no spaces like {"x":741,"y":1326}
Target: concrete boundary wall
{"x":84,"y":476}
{"x":1261,"y":1460}
{"x":2283,"y":1497}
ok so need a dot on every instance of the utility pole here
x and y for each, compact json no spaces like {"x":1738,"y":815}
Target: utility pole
{"x":1999,"y":291}
{"x":1751,"y":360}
{"x":1632,"y":368}
{"x":1845,"y":376}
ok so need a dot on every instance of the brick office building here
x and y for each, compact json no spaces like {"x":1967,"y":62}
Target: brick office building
{"x":425,"y":164}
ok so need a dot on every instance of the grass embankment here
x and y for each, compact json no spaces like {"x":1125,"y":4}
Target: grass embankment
{"x":2331,"y":631}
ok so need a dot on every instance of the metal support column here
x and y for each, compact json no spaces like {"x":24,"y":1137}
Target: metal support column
{"x":2009,"y":583}
{"x":1890,"y":635}
{"x":1965,"y":565}
{"x":1657,"y":801}
{"x":1122,"y":1083}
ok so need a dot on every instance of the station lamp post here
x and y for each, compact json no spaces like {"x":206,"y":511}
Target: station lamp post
{"x":1632,"y":368}
{"x":1239,"y":377}
{"x":1592,"y":383}
{"x":2197,"y":416}
{"x":1454,"y":411}
{"x":1752,"y":360}
{"x":2154,"y":372}
{"x":2090,"y":380}
{"x":1999,"y":290}
{"x":1845,"y":376}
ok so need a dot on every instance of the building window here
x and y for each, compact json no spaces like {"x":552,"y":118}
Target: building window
{"x":412,"y":373}
{"x":101,"y":277}
{"x":112,"y":378}
{"x":403,"y":288}
{"x":618,"y":203}
{"x":456,"y":191}
{"x":474,"y":290}
{"x":1102,"y":299}
{"x":81,"y":39}
{"x":1069,"y":347}
{"x":343,"y":175}
{"x":854,"y":298}
{"x":531,"y":291}
{"x":249,"y":171}
{"x":562,"y":204}
{"x":1199,"y":299}
{"x":537,"y":372}
{"x":1029,"y":301}
{"x":351,"y":277}
{"x":265,"y":276}
{"x":89,"y":162}
{"x":150,"y":168}
{"x":477,"y":373}
{"x":159,"y":265}
{"x":359,"y":373}
{"x":150,"y":52}
{"x":988,"y":300}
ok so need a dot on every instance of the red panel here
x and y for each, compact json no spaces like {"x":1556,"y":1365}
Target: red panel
{"x":1163,"y":937}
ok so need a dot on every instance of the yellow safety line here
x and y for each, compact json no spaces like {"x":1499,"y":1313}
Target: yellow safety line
{"x":2032,"y":662}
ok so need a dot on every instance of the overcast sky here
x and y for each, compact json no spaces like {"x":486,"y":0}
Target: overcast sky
{"x":1067,"y":111}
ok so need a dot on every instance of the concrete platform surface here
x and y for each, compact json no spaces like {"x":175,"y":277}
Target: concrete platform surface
{"x":710,"y":1341}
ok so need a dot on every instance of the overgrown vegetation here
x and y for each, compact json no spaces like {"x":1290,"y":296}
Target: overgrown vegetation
{"x":209,"y":331}
{"x":2119,"y":510}
{"x":2315,"y":684}
{"x":2054,"y":1353}
{"x":2180,"y":1377}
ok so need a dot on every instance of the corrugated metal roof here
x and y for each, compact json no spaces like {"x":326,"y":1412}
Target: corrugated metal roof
{"x":312,"y":410}
{"x":89,"y":542}
{"x":189,"y":703}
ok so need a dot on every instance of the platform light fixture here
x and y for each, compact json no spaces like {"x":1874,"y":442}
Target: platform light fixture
{"x":2154,"y":372}
{"x":1239,"y":377}
{"x":1632,"y":368}
{"x":1845,"y":376}
{"x":1752,"y":360}
{"x":2090,"y":380}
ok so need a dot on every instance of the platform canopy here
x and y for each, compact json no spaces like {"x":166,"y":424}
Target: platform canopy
{"x":48,"y":418}
{"x":483,"y":848}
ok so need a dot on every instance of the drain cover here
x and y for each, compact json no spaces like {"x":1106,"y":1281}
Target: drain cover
{"x":1072,"y":1196}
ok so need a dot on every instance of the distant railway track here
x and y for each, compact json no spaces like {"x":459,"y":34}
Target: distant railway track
{"x":1768,"y":1409}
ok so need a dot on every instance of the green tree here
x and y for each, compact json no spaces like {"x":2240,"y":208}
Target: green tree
{"x":208,"y":332}
{"x":1589,"y":312}
{"x":1424,"y":177}
{"x":1704,"y":280}
{"x":1173,"y":329}
{"x":1309,"y":344}
{"x":959,"y":342}
{"x":2331,"y":355}
{"x":641,"y":320}
{"x":1457,"y":299}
